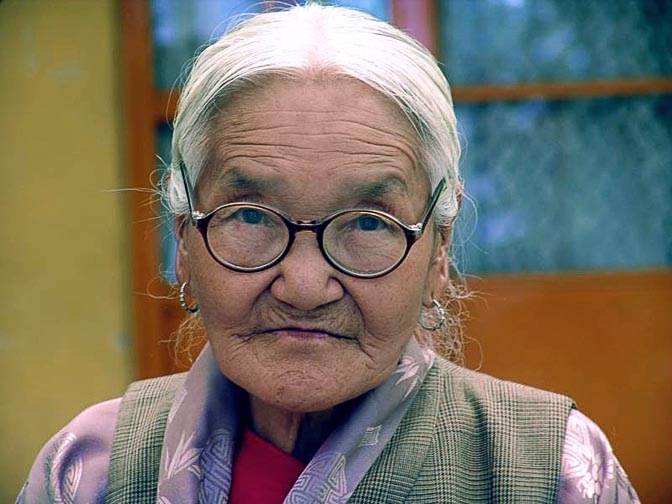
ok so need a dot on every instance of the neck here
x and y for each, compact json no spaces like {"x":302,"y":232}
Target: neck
{"x":300,"y":434}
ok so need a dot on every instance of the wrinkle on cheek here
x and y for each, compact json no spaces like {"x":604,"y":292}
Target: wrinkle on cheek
{"x":381,"y":352}
{"x":235,"y":347}
{"x":379,"y":371}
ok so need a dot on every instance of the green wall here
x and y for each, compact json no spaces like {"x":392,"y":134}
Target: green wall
{"x":64,"y":310}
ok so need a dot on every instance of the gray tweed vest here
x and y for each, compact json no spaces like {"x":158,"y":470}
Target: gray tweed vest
{"x":467,"y":438}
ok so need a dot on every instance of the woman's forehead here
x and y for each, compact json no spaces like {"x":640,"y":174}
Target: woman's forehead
{"x":283,"y":111}
{"x":331,"y":129}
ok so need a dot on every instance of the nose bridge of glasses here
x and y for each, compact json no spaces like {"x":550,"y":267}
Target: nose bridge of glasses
{"x":297,"y":226}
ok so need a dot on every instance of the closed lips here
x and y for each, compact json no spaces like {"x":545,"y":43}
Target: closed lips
{"x":308,"y":332}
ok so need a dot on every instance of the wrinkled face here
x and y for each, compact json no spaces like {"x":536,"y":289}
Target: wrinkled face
{"x":301,"y":335}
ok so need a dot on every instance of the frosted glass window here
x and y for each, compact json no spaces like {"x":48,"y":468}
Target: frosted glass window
{"x":167,"y":244}
{"x":567,"y":185}
{"x":181,"y":27}
{"x":510,"y":41}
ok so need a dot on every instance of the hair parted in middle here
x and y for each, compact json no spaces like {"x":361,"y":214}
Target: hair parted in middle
{"x":308,"y":41}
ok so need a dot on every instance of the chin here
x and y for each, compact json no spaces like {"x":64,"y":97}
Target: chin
{"x":299,"y":396}
{"x":312,"y":381}
{"x":302,"y":406}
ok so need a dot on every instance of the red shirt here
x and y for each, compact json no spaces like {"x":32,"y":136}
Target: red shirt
{"x":262,"y":473}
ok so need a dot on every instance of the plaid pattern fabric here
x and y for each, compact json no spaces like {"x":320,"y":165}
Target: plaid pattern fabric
{"x":138,"y":439}
{"x":467,"y":437}
{"x":471,"y":438}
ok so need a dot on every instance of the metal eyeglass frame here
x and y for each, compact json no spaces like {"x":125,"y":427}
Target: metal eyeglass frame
{"x":412,"y":232}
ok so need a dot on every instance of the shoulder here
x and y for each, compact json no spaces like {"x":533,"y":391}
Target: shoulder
{"x":590,"y":470}
{"x":529,"y":423}
{"x":485,"y":438}
{"x":159,"y":391}
{"x":490,"y":413}
{"x":483,"y":391}
{"x":96,"y":420}
{"x":72,"y":466}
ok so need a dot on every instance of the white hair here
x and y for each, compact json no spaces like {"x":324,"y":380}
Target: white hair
{"x":318,"y":40}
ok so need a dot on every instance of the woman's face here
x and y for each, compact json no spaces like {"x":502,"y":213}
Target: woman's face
{"x":301,"y":335}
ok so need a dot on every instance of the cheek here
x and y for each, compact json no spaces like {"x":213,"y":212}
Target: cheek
{"x":226,"y":298}
{"x":390,"y":307}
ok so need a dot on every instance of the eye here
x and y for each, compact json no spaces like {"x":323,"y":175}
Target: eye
{"x":369,"y":223}
{"x":250,"y":216}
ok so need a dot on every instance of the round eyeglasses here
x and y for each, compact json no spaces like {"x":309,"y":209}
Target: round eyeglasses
{"x":250,"y":237}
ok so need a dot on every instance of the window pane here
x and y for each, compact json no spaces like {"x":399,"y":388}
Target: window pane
{"x":181,"y":27}
{"x":378,"y":8}
{"x":509,"y":41}
{"x":567,"y":185}
{"x":167,"y":244}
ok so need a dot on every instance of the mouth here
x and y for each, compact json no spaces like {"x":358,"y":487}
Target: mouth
{"x":306,"y":333}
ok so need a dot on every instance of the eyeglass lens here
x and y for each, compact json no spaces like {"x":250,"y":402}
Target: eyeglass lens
{"x":360,"y":242}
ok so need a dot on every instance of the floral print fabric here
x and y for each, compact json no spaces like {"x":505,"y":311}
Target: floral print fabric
{"x":590,"y":472}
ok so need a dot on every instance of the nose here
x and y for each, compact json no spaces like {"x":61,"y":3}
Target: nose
{"x":305,"y":280}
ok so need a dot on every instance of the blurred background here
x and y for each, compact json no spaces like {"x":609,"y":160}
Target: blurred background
{"x":565,"y":113}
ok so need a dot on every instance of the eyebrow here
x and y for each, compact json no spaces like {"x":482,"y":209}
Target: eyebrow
{"x":384,"y":187}
{"x":235,"y":180}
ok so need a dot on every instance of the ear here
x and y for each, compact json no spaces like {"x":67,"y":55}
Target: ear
{"x":459,"y":194}
{"x":182,"y":263}
{"x":438,"y":275}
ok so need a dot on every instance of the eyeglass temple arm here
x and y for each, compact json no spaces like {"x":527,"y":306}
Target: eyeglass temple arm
{"x":187,"y":190}
{"x":432,"y":203}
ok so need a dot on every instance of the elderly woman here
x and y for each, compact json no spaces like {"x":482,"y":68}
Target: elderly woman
{"x":314,"y":181}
